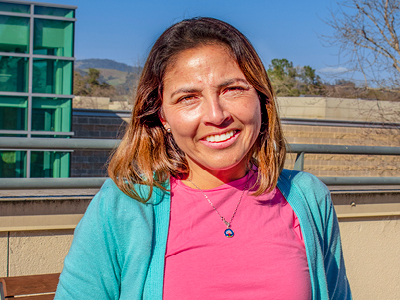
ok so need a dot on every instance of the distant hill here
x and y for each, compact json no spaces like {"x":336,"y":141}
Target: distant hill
{"x":97,"y":63}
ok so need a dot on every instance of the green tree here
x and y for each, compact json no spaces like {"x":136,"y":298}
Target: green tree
{"x":283,"y":76}
{"x":93,"y":77}
{"x":89,"y":85}
{"x":309,"y":77}
{"x":288,"y":80}
{"x":310,"y":82}
{"x":80,"y":85}
{"x":281,"y":69}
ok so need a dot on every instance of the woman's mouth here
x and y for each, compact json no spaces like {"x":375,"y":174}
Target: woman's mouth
{"x":220,"y":137}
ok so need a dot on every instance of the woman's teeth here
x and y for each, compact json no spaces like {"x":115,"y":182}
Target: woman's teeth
{"x":220,"y":137}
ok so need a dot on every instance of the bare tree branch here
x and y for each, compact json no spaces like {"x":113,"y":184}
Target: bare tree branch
{"x":366,"y":33}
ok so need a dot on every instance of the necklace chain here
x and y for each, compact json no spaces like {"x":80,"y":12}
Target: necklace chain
{"x":228,"y":224}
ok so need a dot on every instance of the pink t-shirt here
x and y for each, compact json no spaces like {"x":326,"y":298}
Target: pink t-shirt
{"x":265,"y":259}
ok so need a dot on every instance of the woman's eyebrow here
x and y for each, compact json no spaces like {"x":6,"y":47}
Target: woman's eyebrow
{"x":185,"y":90}
{"x":232,"y":81}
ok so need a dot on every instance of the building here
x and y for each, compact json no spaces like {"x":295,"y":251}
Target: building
{"x":36,"y":71}
{"x":305,"y":120}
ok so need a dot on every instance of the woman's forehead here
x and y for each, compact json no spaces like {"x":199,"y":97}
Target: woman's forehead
{"x":218,"y":46}
{"x":200,"y":68}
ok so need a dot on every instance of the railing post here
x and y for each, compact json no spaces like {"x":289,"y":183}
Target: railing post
{"x":299,"y":163}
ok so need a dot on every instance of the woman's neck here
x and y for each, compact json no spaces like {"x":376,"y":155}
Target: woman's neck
{"x":209,"y":179}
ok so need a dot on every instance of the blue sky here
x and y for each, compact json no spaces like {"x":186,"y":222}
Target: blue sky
{"x":124,"y":30}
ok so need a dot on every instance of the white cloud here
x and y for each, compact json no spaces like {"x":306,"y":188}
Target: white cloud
{"x":333,"y":70}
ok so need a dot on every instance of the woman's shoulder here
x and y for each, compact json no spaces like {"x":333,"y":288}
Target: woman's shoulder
{"x":110,"y":192}
{"x":304,"y":187}
{"x":114,"y":215}
{"x":110,"y":197}
{"x":110,"y":203}
{"x":302,"y":180}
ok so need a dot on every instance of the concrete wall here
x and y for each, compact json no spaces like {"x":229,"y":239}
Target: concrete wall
{"x":339,"y":109}
{"x":345,"y":165}
{"x":350,"y":110}
{"x":91,"y":102}
{"x":371,"y":252}
{"x":33,"y":252}
{"x":3,"y":253}
{"x":372,"y":255}
{"x":36,"y":228}
{"x":38,"y":252}
{"x":100,"y":103}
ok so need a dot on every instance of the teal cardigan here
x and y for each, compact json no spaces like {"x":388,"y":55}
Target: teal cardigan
{"x":119,"y":245}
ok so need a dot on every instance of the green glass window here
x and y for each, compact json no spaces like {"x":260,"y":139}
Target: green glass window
{"x":15,"y":8}
{"x":54,"y":11}
{"x":52,"y":76}
{"x":49,"y":164}
{"x":12,"y":164}
{"x":14,"y":34}
{"x":13,"y":74}
{"x":51,"y":114}
{"x":13,"y":113}
{"x":52,"y":37}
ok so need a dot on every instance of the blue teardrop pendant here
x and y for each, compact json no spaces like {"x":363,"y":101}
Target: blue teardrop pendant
{"x":229,"y":233}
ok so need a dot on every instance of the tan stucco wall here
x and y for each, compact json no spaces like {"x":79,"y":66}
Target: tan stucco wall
{"x":372,"y":255}
{"x":38,"y":252}
{"x":91,"y":102}
{"x":339,"y":109}
{"x":3,"y":254}
{"x":101,"y":103}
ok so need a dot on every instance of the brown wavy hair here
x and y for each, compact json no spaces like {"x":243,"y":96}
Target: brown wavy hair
{"x":148,"y":155}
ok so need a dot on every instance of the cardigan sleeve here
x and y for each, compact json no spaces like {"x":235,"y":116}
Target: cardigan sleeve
{"x":338,"y":285}
{"x":91,"y":268}
{"x":311,"y":201}
{"x":327,"y":224}
{"x":108,"y":249}
{"x":323,"y":213}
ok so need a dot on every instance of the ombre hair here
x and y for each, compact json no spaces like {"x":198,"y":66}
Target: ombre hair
{"x":148,"y":155}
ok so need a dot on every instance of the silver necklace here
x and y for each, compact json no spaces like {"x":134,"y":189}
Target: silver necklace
{"x":228,"y":232}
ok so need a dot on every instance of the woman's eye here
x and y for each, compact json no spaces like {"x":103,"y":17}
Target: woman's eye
{"x":235,"y":89}
{"x":187,"y":98}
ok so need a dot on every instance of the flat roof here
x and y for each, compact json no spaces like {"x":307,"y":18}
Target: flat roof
{"x":40,"y":4}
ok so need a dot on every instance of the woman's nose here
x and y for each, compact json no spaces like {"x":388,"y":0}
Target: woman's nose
{"x":215,"y":112}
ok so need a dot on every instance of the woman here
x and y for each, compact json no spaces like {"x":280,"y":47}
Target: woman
{"x":198,"y":206}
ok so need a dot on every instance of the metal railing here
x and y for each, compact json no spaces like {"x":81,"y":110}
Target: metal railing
{"x":11,"y":143}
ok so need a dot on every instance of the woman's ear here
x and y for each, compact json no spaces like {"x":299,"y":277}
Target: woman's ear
{"x":162,"y":119}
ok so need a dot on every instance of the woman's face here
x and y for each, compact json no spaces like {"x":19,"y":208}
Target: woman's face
{"x":213,"y":112}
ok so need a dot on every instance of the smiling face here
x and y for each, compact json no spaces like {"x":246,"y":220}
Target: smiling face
{"x":213,"y":112}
